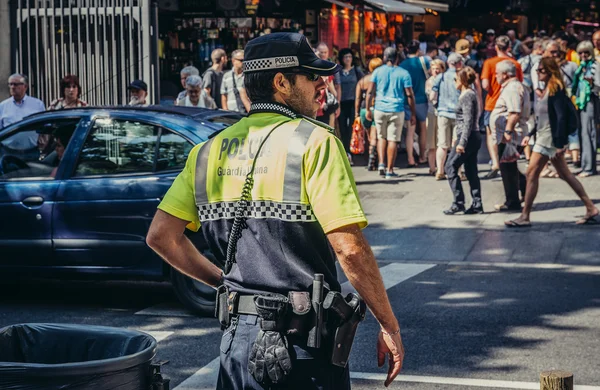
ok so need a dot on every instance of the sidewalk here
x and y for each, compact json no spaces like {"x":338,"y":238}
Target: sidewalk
{"x":406,"y":222}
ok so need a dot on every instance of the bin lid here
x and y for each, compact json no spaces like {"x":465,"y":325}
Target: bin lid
{"x":72,"y":349}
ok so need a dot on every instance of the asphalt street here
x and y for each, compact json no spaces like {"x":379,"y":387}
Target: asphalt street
{"x":480,"y":306}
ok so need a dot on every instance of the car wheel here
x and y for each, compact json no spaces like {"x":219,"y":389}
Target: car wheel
{"x":195,"y":295}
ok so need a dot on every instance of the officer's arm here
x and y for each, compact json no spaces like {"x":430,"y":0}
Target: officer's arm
{"x":359,"y":265}
{"x":166,"y":237}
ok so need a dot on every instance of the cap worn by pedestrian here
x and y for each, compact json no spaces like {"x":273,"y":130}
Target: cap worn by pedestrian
{"x":138,"y":84}
{"x":491,"y":32}
{"x":286,"y":52}
{"x":463,"y":47}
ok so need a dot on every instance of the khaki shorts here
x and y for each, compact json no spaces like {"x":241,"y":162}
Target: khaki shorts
{"x":446,"y":132}
{"x":432,"y":124}
{"x":389,"y":125}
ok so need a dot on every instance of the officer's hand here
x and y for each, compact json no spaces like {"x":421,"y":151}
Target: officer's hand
{"x":391,"y":346}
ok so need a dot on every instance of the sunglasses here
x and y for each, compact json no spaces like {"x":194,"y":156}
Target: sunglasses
{"x":541,"y":71}
{"x":586,"y":53}
{"x":310,"y":76}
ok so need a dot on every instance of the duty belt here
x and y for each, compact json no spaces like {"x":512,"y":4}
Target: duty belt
{"x":300,"y":315}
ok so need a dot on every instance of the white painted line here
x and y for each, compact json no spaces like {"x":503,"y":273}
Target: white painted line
{"x":487,"y":383}
{"x":158,"y":335}
{"x":394,"y":274}
{"x":165,"y":310}
{"x":204,"y":379}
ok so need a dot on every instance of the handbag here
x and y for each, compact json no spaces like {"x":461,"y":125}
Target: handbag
{"x":357,"y":141}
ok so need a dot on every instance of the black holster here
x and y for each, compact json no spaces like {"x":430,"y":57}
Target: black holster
{"x":349,"y":312}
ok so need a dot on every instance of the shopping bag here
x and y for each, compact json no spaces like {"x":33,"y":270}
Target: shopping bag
{"x":357,"y":142}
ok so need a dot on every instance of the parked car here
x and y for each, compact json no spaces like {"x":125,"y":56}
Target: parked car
{"x":79,"y":188}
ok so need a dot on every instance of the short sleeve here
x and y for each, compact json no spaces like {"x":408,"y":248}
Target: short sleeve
{"x":514,"y":99}
{"x":337,"y":79}
{"x":180,"y":200}
{"x":224,"y":85}
{"x":437,"y":82}
{"x":374,"y":76}
{"x":485,"y":73}
{"x":407,"y":80}
{"x":330,"y":186}
{"x":207,"y":80}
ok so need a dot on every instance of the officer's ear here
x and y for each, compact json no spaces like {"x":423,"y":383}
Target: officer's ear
{"x":282,"y":84}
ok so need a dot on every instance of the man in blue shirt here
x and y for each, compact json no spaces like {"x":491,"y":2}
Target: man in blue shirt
{"x":17,"y":107}
{"x":418,"y":68}
{"x":446,"y":95}
{"x":392,"y":86}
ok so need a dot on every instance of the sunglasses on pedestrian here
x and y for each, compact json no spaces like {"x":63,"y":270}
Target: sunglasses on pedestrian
{"x":541,"y":71}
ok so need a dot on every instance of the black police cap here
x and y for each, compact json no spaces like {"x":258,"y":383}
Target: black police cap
{"x":285,"y":51}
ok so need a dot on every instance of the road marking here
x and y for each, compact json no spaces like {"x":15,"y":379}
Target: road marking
{"x":165,"y":310}
{"x":204,"y":379}
{"x":393,"y":274}
{"x":487,"y":383}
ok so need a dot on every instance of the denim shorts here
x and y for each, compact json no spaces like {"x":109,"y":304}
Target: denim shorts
{"x":422,"y":109}
{"x":486,"y":118}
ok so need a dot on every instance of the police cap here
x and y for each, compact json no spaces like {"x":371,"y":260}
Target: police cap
{"x":285,"y":51}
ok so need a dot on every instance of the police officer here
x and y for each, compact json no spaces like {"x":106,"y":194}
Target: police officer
{"x":275,"y":198}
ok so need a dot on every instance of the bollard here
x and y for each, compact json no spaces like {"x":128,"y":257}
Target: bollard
{"x":556,"y":380}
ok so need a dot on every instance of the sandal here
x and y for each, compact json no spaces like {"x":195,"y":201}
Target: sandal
{"x":440,"y":177}
{"x":591,"y":220}
{"x":585,"y":174}
{"x":515,"y":224}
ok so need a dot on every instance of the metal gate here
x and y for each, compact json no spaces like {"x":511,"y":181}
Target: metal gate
{"x":106,"y":43}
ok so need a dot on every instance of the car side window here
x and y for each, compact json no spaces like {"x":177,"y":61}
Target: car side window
{"x":117,"y":146}
{"x":35,"y":151}
{"x":173,"y":151}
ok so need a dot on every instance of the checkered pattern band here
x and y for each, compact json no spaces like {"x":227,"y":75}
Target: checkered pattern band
{"x":271,"y":63}
{"x":273,"y":107}
{"x":259,"y":209}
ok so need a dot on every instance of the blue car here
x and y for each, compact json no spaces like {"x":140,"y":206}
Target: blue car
{"x":79,"y":188}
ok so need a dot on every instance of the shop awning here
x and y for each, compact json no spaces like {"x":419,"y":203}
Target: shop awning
{"x":340,"y":4}
{"x":433,"y":5}
{"x":395,"y":7}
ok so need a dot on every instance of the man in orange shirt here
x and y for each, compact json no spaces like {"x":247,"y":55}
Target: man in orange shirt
{"x":491,"y":85}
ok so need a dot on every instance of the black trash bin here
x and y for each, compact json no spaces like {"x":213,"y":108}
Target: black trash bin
{"x":74,"y":357}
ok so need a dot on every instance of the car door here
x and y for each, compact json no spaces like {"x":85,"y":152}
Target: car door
{"x":29,"y":180}
{"x":107,"y":203}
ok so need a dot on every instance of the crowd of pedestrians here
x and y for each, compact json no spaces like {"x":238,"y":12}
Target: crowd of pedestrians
{"x":444,"y":99}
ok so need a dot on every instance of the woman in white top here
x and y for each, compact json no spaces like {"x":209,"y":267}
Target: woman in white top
{"x":555,"y":116}
{"x":196,"y":96}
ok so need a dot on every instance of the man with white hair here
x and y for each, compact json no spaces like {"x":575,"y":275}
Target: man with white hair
{"x":196,"y":95}
{"x":446,"y":95}
{"x":508,"y":121}
{"x":184,"y":74}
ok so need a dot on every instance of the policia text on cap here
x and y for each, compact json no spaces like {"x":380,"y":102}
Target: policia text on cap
{"x":276,"y":200}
